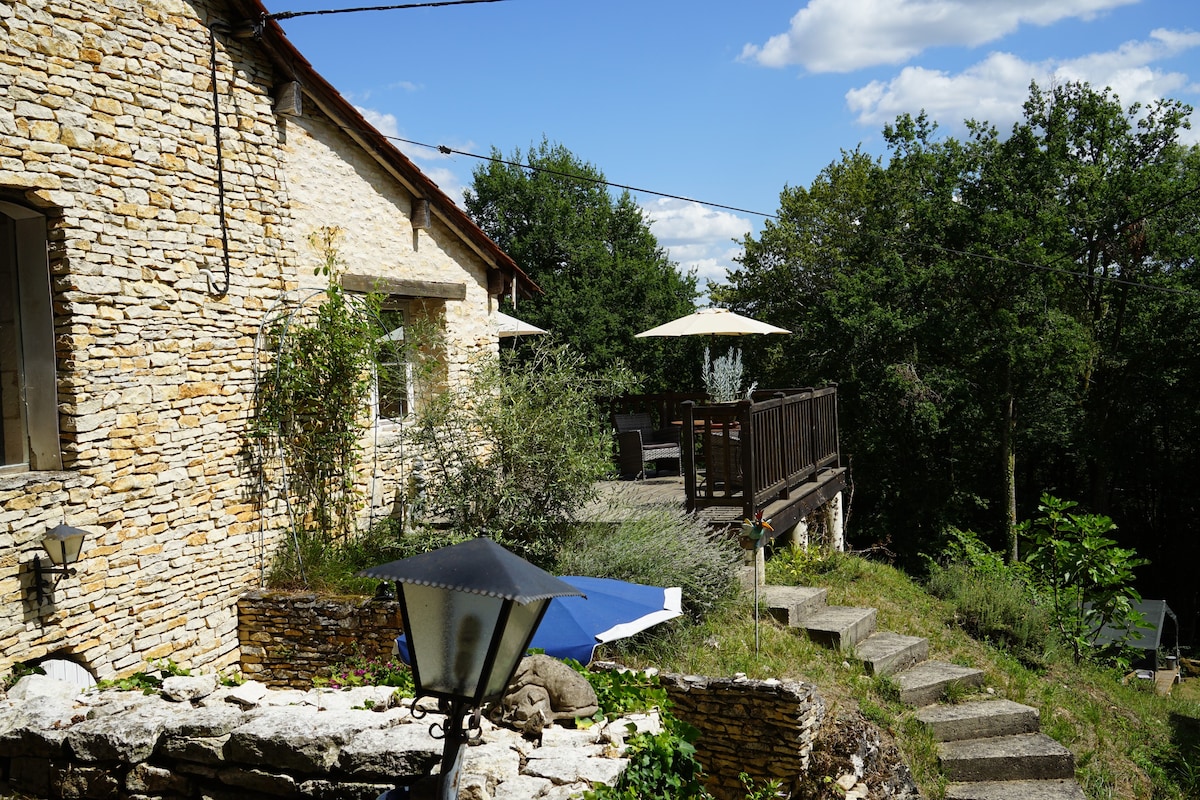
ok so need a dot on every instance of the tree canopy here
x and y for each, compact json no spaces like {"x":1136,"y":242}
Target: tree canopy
{"x":604,"y":274}
{"x":1005,"y":315}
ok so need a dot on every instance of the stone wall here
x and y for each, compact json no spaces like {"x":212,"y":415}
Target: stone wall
{"x":197,"y":741}
{"x":763,"y":728}
{"x":107,"y":129}
{"x":287,"y":639}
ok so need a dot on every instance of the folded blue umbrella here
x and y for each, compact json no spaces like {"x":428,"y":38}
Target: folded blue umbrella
{"x":574,"y":626}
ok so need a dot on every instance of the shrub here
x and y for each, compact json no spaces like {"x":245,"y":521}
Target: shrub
{"x":516,"y":450}
{"x":1088,"y":579}
{"x":358,"y":671}
{"x":657,"y":546}
{"x":992,"y":600}
{"x":802,"y":566}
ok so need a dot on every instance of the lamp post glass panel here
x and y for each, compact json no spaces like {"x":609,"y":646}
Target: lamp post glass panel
{"x":64,"y":544}
{"x":454,"y":634}
{"x":469,"y":612}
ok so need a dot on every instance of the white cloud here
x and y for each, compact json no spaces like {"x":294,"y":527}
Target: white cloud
{"x":995,"y":88}
{"x":384,"y":123}
{"x":845,"y":35}
{"x":696,"y":236}
{"x":446,"y":177}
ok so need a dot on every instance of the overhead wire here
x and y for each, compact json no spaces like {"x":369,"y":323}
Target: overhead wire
{"x":446,"y":150}
{"x":443,"y":149}
{"x":434,"y":4}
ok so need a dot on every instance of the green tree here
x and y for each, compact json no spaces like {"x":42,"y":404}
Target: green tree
{"x":312,"y":400}
{"x":961,"y":296}
{"x":604,"y":275}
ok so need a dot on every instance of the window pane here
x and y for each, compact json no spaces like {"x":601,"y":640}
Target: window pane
{"x":394,"y":373}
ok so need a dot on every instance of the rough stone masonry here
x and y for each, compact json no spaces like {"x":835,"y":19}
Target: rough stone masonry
{"x":195,"y":739}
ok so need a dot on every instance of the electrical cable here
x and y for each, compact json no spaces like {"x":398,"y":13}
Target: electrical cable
{"x":212,"y":61}
{"x":444,"y":150}
{"x":439,"y":3}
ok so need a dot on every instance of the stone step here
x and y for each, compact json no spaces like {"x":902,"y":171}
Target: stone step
{"x":1016,"y":790}
{"x":791,"y":604}
{"x":979,"y":720}
{"x":1028,"y":756}
{"x":839,"y":627}
{"x":885,"y":653}
{"x":926,"y":682}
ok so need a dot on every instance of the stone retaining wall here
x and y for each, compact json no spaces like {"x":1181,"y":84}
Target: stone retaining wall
{"x":288,"y":638}
{"x":763,"y":728}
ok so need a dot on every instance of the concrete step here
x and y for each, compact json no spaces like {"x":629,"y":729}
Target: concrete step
{"x":1028,"y":756}
{"x":926,"y":682}
{"x":839,"y":627}
{"x":979,"y":720}
{"x":885,"y":653}
{"x":791,"y":604}
{"x":1016,"y":790}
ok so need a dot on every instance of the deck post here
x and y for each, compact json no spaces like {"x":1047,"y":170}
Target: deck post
{"x":835,"y":523}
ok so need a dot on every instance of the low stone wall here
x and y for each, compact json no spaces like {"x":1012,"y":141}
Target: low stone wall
{"x":288,"y":638}
{"x":197,"y":741}
{"x":765,"y":729}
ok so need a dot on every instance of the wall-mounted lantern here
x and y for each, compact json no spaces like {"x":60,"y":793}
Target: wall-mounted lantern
{"x":469,"y":611}
{"x":63,"y":544}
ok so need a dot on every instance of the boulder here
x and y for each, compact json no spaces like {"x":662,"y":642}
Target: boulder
{"x":185,"y":688}
{"x":42,"y":687}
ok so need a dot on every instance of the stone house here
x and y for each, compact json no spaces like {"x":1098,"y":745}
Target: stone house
{"x":163,"y":164}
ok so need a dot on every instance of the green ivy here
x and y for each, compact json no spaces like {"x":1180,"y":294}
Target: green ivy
{"x":662,"y":766}
{"x":621,"y":692}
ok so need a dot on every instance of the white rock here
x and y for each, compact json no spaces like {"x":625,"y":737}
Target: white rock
{"x":32,"y":686}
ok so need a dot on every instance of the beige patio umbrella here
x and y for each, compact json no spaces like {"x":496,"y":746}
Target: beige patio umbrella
{"x":714,"y":322}
{"x":511,"y":326}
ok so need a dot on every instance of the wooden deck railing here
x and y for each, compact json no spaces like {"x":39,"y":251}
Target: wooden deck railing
{"x":754,"y":452}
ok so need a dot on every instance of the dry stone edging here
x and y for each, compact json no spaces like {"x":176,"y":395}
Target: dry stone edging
{"x":329,"y":745}
{"x":991,"y":749}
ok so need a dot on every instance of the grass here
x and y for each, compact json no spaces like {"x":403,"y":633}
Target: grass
{"x":1129,"y":743}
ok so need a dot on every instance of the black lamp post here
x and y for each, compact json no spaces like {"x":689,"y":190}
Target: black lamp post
{"x":469,"y":612}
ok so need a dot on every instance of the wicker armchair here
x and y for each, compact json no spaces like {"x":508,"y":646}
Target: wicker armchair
{"x":638,"y":443}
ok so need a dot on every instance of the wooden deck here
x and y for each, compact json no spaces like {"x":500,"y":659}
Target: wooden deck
{"x":619,"y":498}
{"x":776,"y":453}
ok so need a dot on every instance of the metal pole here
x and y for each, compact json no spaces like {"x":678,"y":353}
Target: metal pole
{"x":452,"y":750}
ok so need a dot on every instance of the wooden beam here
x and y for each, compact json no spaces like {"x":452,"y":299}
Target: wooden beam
{"x":399,"y":287}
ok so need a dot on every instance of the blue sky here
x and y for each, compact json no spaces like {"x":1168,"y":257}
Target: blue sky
{"x":725,"y":102}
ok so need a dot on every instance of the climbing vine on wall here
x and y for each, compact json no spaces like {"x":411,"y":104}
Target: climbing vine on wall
{"x":313,"y":404}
